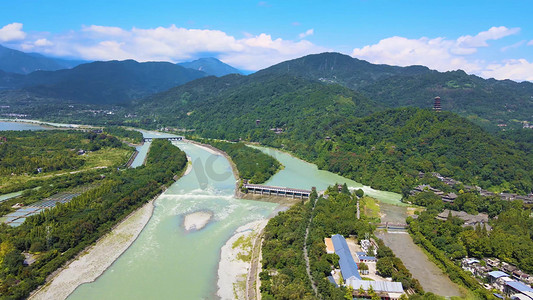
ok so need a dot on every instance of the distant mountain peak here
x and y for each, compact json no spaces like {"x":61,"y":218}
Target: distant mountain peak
{"x":211,"y":66}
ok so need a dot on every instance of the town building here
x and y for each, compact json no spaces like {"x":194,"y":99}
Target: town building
{"x":346,"y":262}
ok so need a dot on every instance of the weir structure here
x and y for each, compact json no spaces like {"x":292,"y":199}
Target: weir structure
{"x":276,"y":191}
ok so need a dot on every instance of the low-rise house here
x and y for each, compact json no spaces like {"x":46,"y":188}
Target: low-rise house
{"x":469,"y":264}
{"x":514,"y":287}
{"x":493,"y":262}
{"x":450,"y":198}
{"x":493,"y":276}
{"x":363,"y":257}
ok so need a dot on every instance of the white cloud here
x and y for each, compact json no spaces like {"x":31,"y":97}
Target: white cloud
{"x":307,"y":33}
{"x":105,"y":30}
{"x":480,"y":40}
{"x":530,"y":43}
{"x":43,"y":42}
{"x":12,"y":32}
{"x":513,"y":46}
{"x":515,"y":69}
{"x":448,"y":54}
{"x":175,"y":44}
{"x":438,"y":53}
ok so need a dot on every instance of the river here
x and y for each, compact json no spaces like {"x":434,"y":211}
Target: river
{"x":166,"y":262}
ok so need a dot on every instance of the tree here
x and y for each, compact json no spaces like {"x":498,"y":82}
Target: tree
{"x":359,"y":193}
{"x":345,"y":189}
{"x":385,"y":266}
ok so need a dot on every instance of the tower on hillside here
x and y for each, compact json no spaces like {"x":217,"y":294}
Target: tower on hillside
{"x":436,"y":104}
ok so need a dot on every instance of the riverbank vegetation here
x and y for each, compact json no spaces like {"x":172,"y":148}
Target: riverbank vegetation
{"x":252,"y":164}
{"x":27,"y":156}
{"x":58,"y":234}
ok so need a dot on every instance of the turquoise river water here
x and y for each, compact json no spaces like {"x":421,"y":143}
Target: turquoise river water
{"x":165,"y":261}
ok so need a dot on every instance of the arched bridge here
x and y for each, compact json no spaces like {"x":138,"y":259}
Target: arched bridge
{"x":175,"y":138}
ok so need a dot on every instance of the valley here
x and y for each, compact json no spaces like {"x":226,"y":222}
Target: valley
{"x":360,"y":136}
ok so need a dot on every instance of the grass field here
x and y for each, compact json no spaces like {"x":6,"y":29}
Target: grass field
{"x":103,"y":158}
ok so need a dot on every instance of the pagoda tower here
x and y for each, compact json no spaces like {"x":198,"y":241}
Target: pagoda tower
{"x":436,"y":104}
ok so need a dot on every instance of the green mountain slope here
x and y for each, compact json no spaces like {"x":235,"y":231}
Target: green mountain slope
{"x":486,"y":102}
{"x":250,"y":107}
{"x":388,"y":149}
{"x":340,"y":69}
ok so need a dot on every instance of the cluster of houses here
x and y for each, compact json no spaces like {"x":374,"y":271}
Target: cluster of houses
{"x":506,"y":278}
{"x":480,"y":219}
{"x":350,"y":271}
{"x":450,"y":197}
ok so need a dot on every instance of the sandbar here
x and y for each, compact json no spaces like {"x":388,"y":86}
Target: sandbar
{"x":197,"y":220}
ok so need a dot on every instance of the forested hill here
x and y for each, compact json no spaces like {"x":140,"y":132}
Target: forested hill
{"x":253,"y":107}
{"x":487,"y":102}
{"x":343,"y":131}
{"x":103,"y":82}
{"x":339,"y":68}
{"x":388,"y":149}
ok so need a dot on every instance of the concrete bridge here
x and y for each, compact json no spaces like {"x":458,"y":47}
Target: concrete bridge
{"x":176,"y":138}
{"x":276,"y":191}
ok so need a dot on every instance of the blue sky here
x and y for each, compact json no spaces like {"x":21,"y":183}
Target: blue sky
{"x":487,"y":38}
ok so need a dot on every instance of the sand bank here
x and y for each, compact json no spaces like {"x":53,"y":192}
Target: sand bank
{"x":197,"y":220}
{"x":94,"y":260}
{"x":235,"y":261}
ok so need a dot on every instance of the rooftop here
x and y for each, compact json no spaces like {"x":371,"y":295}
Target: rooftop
{"x":346,"y":262}
{"x":519,"y":286}
{"x":498,"y":274}
{"x":378,"y":286}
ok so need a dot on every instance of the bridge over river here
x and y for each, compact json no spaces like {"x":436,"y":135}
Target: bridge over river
{"x":276,"y":191}
{"x":392,"y":226}
{"x":174,"y":138}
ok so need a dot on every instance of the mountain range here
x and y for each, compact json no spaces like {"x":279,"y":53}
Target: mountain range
{"x":14,"y":61}
{"x":327,"y":108}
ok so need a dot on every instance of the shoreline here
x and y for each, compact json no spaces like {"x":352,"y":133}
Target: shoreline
{"x":236,"y":260}
{"x":93,"y":261}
